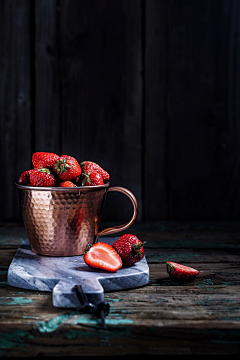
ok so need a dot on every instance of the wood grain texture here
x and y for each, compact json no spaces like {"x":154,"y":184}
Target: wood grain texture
{"x":203,"y":145}
{"x":102,"y":91}
{"x":15,"y":101}
{"x":47,"y":79}
{"x":165,"y":317}
{"x":148,"y":89}
{"x":155,"y":110}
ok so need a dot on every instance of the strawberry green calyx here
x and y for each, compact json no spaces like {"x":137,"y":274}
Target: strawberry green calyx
{"x":44,"y":170}
{"x":61,"y":166}
{"x":89,"y":247}
{"x":170,"y":268}
{"x":85,"y":178}
{"x":137,"y":247}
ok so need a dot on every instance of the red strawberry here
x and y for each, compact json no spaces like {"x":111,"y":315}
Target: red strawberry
{"x":44,"y":160}
{"x":181,"y":272}
{"x":25,"y":177}
{"x":91,"y":177}
{"x":77,"y":180}
{"x":42,"y":177}
{"x":67,"y":184}
{"x":85,"y":165}
{"x":67,"y":167}
{"x":130,"y":248}
{"x":102,"y":256}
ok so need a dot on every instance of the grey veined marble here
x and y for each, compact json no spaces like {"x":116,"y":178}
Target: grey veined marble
{"x":60,"y":274}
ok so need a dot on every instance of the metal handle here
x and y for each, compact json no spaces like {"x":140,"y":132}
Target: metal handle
{"x":118,"y":228}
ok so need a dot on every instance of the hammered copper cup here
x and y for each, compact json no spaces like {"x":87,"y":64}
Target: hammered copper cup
{"x":63,"y":221}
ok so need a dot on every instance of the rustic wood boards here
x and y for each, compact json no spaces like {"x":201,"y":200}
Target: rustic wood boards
{"x":149,"y":89}
{"x":164,"y":317}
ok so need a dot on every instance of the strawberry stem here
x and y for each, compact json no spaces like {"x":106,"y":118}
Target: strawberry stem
{"x":44,"y":170}
{"x":170,"y":268}
{"x":137,"y":247}
{"x":85,"y":177}
{"x":89,"y":247}
{"x":62,"y":166}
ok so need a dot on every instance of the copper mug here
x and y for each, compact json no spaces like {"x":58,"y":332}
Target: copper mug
{"x":63,"y":221}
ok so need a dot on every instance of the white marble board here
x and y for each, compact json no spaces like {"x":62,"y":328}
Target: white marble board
{"x":60,"y":274}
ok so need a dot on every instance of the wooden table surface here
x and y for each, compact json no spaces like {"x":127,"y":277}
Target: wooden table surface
{"x":163,"y":317}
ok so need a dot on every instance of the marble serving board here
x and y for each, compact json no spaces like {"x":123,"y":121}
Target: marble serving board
{"x":60,"y":274}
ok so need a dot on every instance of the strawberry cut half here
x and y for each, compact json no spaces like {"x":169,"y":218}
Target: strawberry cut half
{"x":181,"y":272}
{"x":103,"y":256}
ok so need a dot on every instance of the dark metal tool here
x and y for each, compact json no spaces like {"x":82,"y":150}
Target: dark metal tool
{"x":101,"y":310}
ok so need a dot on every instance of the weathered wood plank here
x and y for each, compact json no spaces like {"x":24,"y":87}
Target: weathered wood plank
{"x":47,"y":135}
{"x":151,"y":84}
{"x":160,"y":318}
{"x":203,"y":107}
{"x":155,"y":110}
{"x":96,"y":342}
{"x":101,"y":57}
{"x":158,"y":235}
{"x":165,"y":317}
{"x":15,"y":101}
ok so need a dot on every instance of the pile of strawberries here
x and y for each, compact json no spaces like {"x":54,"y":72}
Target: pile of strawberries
{"x":51,"y":170}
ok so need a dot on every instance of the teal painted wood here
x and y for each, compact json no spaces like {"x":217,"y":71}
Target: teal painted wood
{"x":165,"y":317}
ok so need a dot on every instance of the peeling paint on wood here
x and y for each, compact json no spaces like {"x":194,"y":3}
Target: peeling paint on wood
{"x":163,"y":317}
{"x":15,"y":301}
{"x":17,"y":338}
{"x":52,"y":324}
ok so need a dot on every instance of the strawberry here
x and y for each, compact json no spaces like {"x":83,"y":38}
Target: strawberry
{"x":44,"y":160}
{"x":102,"y":256}
{"x":130,"y":248}
{"x":67,"y":184}
{"x":25,"y":177}
{"x":42,"y":177}
{"x":180,"y":272}
{"x":85,"y":165}
{"x":77,"y":180}
{"x":91,"y":177}
{"x":67,"y":168}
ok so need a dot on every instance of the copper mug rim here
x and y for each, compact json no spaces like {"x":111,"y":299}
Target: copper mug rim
{"x":57,"y":188}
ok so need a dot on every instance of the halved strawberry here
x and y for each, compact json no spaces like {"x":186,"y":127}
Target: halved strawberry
{"x":102,"y":256}
{"x":180,"y":272}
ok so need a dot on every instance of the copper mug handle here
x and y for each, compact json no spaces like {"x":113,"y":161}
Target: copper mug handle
{"x":118,"y":228}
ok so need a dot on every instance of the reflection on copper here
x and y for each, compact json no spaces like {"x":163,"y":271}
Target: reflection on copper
{"x":63,"y":221}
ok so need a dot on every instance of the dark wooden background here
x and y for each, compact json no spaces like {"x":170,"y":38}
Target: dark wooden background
{"x":149,"y":89}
